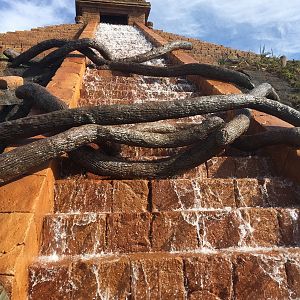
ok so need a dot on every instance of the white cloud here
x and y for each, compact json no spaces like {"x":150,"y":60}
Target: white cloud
{"x":243,"y":24}
{"x":21,"y":15}
{"x":238,"y":23}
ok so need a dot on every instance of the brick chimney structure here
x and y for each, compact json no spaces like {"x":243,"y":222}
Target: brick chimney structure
{"x":124,"y":12}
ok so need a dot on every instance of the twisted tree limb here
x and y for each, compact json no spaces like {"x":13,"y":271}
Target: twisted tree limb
{"x":128,"y":65}
{"x":204,"y":70}
{"x":265,"y":90}
{"x":141,"y":113}
{"x":11,"y":54}
{"x":23,"y":159}
{"x":98,"y":163}
{"x":158,"y":52}
{"x":37,"y":49}
{"x":284,"y":136}
{"x":80,"y":45}
{"x":8,"y":97}
{"x":40,"y":97}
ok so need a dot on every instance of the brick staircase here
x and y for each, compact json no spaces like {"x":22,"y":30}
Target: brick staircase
{"x":228,"y":229}
{"x":205,"y":52}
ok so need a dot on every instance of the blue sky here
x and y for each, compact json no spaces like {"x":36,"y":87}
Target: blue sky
{"x":241,"y":24}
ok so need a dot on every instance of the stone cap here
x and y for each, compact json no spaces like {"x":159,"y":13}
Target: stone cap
{"x":106,"y":3}
{"x":126,"y":5}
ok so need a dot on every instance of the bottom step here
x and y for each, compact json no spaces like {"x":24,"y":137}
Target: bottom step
{"x":270,"y":274}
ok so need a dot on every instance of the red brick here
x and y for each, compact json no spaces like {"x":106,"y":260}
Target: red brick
{"x":157,"y":278}
{"x":261,"y":227}
{"x":45,"y":280}
{"x":107,"y":278}
{"x":192,"y":194}
{"x":220,"y":229}
{"x":293,"y":278}
{"x":280,"y":192}
{"x":221,"y":167}
{"x":74,"y":234}
{"x":248,"y":193}
{"x":174,"y":231}
{"x":260,"y":277}
{"x":128,"y":232}
{"x":210,"y":275}
{"x":84,"y":196}
{"x":289,"y":223}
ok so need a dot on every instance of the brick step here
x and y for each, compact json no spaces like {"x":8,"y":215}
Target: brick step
{"x":174,"y":231}
{"x":96,"y":75}
{"x":117,"y":196}
{"x":110,"y":97}
{"x":273,"y":274}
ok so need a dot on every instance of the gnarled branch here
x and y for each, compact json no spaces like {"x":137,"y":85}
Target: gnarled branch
{"x":101,"y":164}
{"x":82,"y":46}
{"x":22,"y":159}
{"x":141,"y":113}
{"x":158,"y":52}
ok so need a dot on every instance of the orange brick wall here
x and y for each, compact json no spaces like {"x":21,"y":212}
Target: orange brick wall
{"x":206,"y":52}
{"x":23,"y":40}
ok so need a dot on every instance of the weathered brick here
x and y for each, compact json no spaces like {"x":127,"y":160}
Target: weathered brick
{"x":130,"y":196}
{"x":84,"y":196}
{"x":293,"y":277}
{"x":192,"y":194}
{"x":280,"y":192}
{"x":128,"y":232}
{"x":174,"y":231}
{"x":259,"y":227}
{"x":157,"y":278}
{"x":101,"y":196}
{"x":221,"y":167}
{"x":289,"y":224}
{"x":210,"y":275}
{"x":260,"y":276}
{"x":108,"y":278}
{"x":44,"y":280}
{"x":74,"y":234}
{"x":248,"y":193}
{"x":220,"y":229}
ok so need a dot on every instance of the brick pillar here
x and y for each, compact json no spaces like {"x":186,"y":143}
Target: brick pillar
{"x":136,"y":16}
{"x":90,"y":14}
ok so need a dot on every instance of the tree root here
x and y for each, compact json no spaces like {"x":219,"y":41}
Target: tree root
{"x":11,"y":54}
{"x":40,"y":97}
{"x":284,"y":136}
{"x":130,"y":64}
{"x":141,"y":113}
{"x":82,"y":45}
{"x":39,"y":48}
{"x":8,"y":97}
{"x":23,"y":159}
{"x":98,"y":163}
{"x":204,"y":70}
{"x":158,"y":52}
